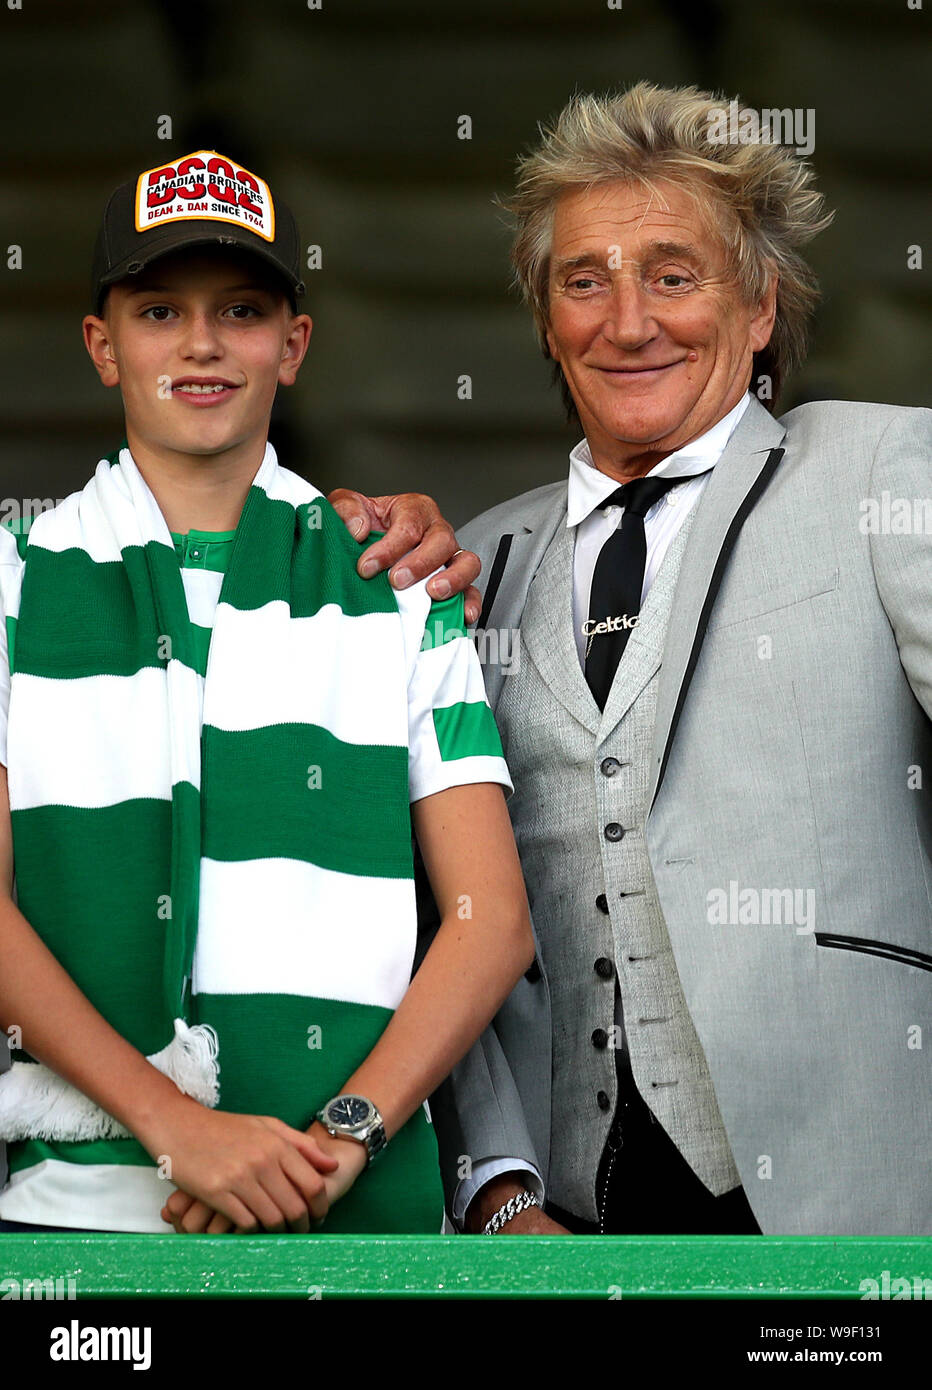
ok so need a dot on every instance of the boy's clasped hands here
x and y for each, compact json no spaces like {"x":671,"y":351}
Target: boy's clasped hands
{"x":251,"y":1173}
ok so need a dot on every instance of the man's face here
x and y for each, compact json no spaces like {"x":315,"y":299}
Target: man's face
{"x":649,"y":328}
{"x":198,"y":344}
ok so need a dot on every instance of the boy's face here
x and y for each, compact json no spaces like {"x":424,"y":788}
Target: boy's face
{"x":198,"y":344}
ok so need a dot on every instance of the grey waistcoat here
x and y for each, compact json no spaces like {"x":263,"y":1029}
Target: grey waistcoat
{"x":565,"y":796}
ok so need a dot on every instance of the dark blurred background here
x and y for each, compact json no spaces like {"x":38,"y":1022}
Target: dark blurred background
{"x":350,"y":112}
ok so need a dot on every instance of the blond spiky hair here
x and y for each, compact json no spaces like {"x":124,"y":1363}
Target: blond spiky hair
{"x":760,"y":196}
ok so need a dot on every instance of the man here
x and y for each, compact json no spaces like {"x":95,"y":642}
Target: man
{"x":718,"y":727}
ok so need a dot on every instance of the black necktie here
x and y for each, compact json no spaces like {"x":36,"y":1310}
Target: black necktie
{"x":615,"y":597}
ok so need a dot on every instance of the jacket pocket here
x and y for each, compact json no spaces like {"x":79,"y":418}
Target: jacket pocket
{"x":788,"y":595}
{"x":887,"y":949}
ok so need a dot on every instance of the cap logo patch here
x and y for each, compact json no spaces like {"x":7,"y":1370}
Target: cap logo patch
{"x":204,"y":185}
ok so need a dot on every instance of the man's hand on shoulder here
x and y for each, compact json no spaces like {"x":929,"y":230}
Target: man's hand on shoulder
{"x":415,"y":534}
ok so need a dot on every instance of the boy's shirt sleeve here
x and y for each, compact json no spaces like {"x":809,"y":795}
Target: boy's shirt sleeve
{"x":11,"y":565}
{"x":452,"y":736}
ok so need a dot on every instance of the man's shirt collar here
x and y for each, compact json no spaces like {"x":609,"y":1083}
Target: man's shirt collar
{"x":588,"y":487}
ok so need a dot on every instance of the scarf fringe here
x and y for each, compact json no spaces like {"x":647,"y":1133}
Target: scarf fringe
{"x":36,"y":1103}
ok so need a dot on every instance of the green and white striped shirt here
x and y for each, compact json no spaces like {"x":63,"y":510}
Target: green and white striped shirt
{"x":113,"y":1184}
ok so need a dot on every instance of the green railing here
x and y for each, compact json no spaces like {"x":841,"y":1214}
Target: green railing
{"x":451,"y":1267}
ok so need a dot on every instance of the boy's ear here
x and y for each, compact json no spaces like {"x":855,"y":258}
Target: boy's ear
{"x":99,"y":345}
{"x":294,"y":348}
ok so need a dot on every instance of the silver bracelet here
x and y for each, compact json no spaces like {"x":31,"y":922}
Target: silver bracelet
{"x":511,"y":1208}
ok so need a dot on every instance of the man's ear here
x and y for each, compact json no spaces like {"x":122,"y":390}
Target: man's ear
{"x":100,"y":348}
{"x":550,"y":344}
{"x":763,"y":319}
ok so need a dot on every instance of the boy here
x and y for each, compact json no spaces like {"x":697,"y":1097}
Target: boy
{"x":211,"y":731}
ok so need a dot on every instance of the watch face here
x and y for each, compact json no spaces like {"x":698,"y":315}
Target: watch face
{"x":349,"y":1110}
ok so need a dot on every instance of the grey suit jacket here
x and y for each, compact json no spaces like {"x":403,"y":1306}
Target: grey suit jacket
{"x":790,"y":823}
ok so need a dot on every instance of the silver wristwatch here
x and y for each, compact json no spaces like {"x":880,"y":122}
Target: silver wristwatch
{"x":354,"y":1117}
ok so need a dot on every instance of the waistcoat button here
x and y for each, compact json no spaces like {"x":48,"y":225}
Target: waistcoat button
{"x":599,"y":1038}
{"x":603,"y":1100}
{"x":614,"y":831}
{"x":601,"y":903}
{"x":532,"y":974}
{"x":604,"y":968}
{"x":609,"y":766}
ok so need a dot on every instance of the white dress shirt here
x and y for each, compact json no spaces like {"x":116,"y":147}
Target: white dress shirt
{"x":587,"y":488}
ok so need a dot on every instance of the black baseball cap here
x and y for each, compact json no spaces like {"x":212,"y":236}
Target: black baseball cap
{"x":199,"y":199}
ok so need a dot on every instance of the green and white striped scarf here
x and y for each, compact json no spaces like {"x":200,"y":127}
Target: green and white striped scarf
{"x":214,"y":841}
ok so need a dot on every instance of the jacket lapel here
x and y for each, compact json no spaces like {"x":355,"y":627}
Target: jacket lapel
{"x":741,"y":472}
{"x":503,"y":610}
{"x":541,"y":557}
{"x":547,"y":629}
